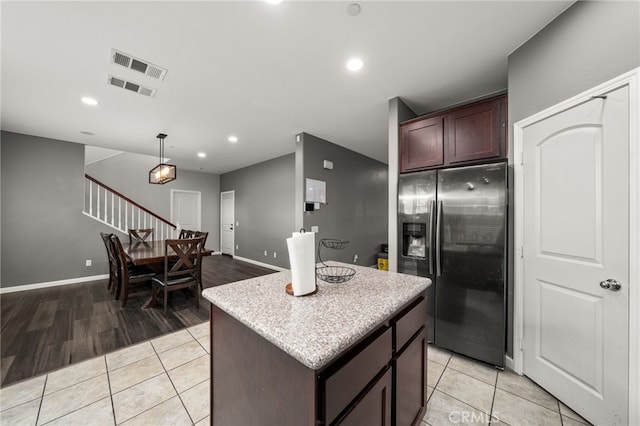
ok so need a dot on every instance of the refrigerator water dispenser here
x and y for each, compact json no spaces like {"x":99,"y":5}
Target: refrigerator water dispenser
{"x":414,"y":240}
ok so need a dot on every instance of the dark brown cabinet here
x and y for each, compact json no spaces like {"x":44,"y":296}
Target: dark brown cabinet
{"x":411,"y":381}
{"x":374,"y":408}
{"x":422,"y":144}
{"x":470,"y":133}
{"x":380,"y":380}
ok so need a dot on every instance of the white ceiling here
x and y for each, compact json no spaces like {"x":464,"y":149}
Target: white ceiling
{"x":248,"y":68}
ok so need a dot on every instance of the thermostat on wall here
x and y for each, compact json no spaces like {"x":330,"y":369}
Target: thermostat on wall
{"x":328,"y":164}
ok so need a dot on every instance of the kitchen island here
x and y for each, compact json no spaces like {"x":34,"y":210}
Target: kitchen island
{"x":352,"y":353}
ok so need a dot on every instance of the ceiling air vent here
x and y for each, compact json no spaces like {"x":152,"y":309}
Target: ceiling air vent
{"x":137,"y":64}
{"x":133,"y":87}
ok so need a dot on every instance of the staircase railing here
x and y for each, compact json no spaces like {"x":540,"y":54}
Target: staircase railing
{"x":108,"y":206}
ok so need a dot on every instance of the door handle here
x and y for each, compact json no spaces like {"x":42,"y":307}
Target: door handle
{"x":430,"y":240}
{"x":438,"y":254}
{"x":611,"y":284}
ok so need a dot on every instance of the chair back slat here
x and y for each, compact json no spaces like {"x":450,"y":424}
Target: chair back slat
{"x":189,"y":253}
{"x":140,"y":235}
{"x":120,"y":255}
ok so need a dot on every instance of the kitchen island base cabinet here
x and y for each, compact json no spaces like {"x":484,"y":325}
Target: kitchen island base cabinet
{"x":255,"y":382}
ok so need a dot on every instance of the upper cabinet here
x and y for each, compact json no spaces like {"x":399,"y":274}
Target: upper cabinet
{"x":422,"y":144}
{"x":470,"y":133}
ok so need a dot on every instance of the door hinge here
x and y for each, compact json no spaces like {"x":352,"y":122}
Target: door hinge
{"x":522,"y":158}
{"x":521,"y":344}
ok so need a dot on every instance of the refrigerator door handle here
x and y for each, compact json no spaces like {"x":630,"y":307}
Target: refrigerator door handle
{"x":438,"y":254}
{"x":431,"y":216}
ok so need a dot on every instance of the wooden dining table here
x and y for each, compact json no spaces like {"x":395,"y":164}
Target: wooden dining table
{"x":151,"y":254}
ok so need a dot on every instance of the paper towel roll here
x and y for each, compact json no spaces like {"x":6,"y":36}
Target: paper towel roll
{"x":302,"y":258}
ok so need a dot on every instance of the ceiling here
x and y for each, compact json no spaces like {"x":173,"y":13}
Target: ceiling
{"x":258,"y":71}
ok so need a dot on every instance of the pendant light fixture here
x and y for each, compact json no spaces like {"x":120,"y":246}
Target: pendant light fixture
{"x":162,"y":173}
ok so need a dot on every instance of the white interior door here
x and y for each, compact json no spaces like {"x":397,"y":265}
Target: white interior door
{"x":185,"y":209}
{"x":227,"y":219}
{"x":576,"y":238}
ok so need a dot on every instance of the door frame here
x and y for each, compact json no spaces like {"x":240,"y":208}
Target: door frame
{"x":233,"y":207}
{"x":185,"y":191}
{"x":632,"y":79}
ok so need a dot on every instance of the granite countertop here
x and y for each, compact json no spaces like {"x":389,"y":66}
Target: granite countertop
{"x":315,"y":329}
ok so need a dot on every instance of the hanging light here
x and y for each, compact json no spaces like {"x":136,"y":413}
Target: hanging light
{"x":162,"y":173}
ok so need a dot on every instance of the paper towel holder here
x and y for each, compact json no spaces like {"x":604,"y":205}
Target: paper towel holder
{"x":289,"y":290}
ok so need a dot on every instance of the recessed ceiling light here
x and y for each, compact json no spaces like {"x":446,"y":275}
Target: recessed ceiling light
{"x":233,"y":139}
{"x":202,"y":155}
{"x":355,"y":64}
{"x":89,"y":101}
{"x":273,"y":1}
{"x":353,"y":9}
{"x":88,"y":133}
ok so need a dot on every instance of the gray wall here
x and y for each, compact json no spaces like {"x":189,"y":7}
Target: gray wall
{"x":128,"y":173}
{"x":45,"y":236}
{"x":590,"y":43}
{"x":264,"y":200}
{"x":357,"y":205}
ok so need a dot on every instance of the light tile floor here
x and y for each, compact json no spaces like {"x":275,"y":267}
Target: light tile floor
{"x":467,"y":392}
{"x":165,"y":381}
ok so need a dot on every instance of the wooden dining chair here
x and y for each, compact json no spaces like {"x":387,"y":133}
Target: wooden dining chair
{"x":106,"y":239}
{"x":201,"y":234}
{"x":141,"y":235}
{"x":127,"y":274}
{"x":181,"y":273}
{"x":186,"y":233}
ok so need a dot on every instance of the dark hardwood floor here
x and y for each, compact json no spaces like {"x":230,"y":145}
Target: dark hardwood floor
{"x":44,"y":330}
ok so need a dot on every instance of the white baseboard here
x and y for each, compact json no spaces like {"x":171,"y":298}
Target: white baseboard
{"x":255,"y":262}
{"x":36,"y":286}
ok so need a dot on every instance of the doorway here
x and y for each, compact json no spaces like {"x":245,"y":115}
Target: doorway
{"x":577,"y":279}
{"x":227,"y":220}
{"x":186,"y":209}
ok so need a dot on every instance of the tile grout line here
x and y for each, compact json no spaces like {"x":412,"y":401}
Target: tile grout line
{"x":44,"y":386}
{"x":171,"y":381}
{"x":493,"y":400}
{"x":113,"y":408}
{"x":560,"y":412}
{"x":474,"y":378}
{"x":66,"y":387}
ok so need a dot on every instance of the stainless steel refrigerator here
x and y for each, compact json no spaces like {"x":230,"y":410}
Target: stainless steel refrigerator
{"x":452,"y":226}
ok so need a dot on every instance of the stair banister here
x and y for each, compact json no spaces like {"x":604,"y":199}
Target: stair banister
{"x":110,"y":210}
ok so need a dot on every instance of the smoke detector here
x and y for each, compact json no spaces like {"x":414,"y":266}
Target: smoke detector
{"x":136,"y":64}
{"x":131,"y":86}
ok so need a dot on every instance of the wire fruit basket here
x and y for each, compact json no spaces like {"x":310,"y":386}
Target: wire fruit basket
{"x":329,"y":273}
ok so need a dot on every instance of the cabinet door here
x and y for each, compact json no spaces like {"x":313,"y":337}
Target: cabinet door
{"x":422,"y":144}
{"x":411,"y":382}
{"x":374,"y":408}
{"x":344,"y":385}
{"x":475,"y":132}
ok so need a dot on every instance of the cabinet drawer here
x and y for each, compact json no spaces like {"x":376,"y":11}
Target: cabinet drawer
{"x":410,"y":323}
{"x":346,"y":383}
